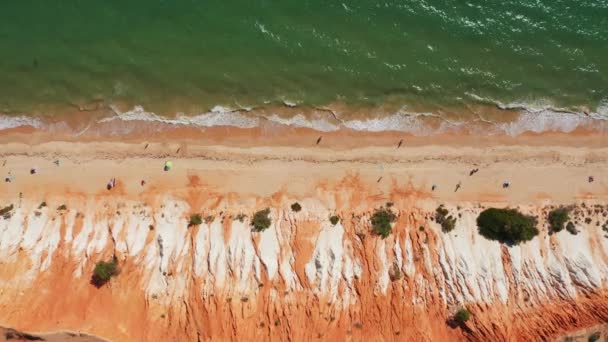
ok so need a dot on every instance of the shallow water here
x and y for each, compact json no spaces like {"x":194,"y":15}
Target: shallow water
{"x":189,"y":56}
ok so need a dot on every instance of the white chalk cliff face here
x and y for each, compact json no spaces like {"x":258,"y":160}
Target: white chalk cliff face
{"x":303,"y":278}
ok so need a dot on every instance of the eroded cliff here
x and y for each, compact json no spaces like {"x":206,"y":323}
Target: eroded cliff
{"x":301,"y":279}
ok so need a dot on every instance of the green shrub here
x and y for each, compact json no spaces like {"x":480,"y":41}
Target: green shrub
{"x":241,"y":217}
{"x":261,"y":220}
{"x":462,"y":316}
{"x":594,"y":337}
{"x":334,"y":220}
{"x":6,"y":210}
{"x":195,"y":220}
{"x":296,"y":207}
{"x":381,"y":222}
{"x":571,"y":228}
{"x":557,"y":219}
{"x":104,"y":271}
{"x":506,"y":225}
{"x":447,"y":222}
{"x":42,"y":205}
{"x":62,"y":207}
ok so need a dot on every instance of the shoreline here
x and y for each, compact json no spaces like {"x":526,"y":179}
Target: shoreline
{"x":481,"y":119}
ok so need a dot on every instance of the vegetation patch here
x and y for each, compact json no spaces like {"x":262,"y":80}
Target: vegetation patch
{"x":261,"y":220}
{"x":462,"y":316}
{"x":506,"y":226}
{"x":296,"y":207}
{"x":195,"y":220}
{"x":62,"y":207}
{"x":395,"y":273}
{"x":241,"y":217}
{"x":42,"y":205}
{"x":6,"y":211}
{"x":571,"y":228}
{"x":334,"y":219}
{"x":381,"y":222}
{"x":443,"y":217}
{"x":594,"y":337}
{"x":104,"y":271}
{"x":557,"y":219}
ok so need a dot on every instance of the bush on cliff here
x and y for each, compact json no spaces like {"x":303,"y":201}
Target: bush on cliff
{"x":6,"y":211}
{"x":381,"y":222}
{"x":195,"y":220}
{"x":557,"y":219}
{"x":104,"y":271}
{"x":261,"y":220}
{"x":443,"y":217}
{"x":506,"y":226}
{"x":296,"y":207}
{"x":462,"y":316}
{"x":334,"y":219}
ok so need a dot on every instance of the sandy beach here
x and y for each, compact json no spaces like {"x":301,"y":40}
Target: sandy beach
{"x":293,"y":165}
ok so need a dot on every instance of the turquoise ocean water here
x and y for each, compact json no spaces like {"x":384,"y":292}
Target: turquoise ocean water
{"x":167,"y":55}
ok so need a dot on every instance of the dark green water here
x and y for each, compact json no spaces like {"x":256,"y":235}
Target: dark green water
{"x":172,"y":54}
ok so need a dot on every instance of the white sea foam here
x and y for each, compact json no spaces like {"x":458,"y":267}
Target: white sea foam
{"x":218,"y":116}
{"x":545,"y":120}
{"x":539,"y":116}
{"x":299,"y":120}
{"x":7,"y":122}
{"x":402,"y":121}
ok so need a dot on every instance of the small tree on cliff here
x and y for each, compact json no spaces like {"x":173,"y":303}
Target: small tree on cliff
{"x":443,"y":217}
{"x":296,"y":207}
{"x":195,"y":220}
{"x":557,"y":219}
{"x":506,"y":225}
{"x":104,"y":271}
{"x":261,"y":220}
{"x":462,"y":316}
{"x":381,"y":222}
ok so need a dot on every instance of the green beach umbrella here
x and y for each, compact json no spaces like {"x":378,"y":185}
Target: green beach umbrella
{"x":168,"y":165}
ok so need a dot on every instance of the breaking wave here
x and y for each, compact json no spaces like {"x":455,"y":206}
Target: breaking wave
{"x":536,"y":117}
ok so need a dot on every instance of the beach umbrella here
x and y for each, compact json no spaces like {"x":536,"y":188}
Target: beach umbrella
{"x":168,"y":165}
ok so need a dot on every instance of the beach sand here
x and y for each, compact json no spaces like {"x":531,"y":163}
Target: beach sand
{"x":545,"y":167}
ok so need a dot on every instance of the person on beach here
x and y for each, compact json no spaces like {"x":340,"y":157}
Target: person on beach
{"x":319,"y":140}
{"x":591,"y":179}
{"x":33,"y":171}
{"x":458,"y":186}
{"x":474,"y":171}
{"x":111,"y":184}
{"x":143,"y":182}
{"x":506,"y":185}
{"x":433,"y":187}
{"x":10,"y":178}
